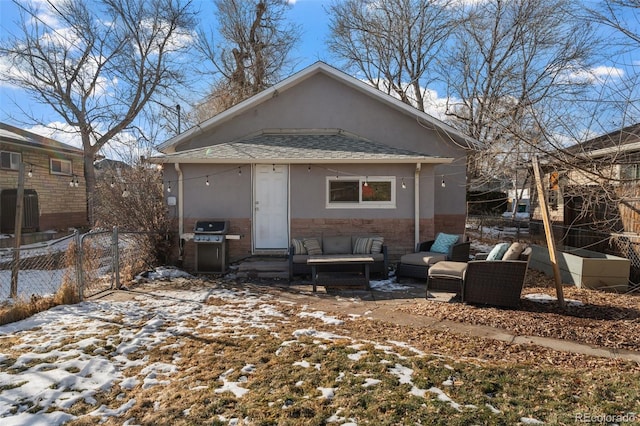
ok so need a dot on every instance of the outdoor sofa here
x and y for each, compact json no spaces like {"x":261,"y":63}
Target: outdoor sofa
{"x":345,"y":245}
{"x":495,"y":278}
{"x":452,"y":247}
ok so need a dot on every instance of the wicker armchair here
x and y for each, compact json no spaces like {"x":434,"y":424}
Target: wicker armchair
{"x":459,"y":253}
{"x":495,"y":282}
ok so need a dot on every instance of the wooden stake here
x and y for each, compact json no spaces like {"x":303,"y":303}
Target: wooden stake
{"x":548,"y":229}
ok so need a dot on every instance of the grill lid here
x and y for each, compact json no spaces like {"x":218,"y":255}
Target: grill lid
{"x":211,"y":226}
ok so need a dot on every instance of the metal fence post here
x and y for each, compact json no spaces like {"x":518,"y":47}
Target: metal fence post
{"x":116,"y":257}
{"x":79,"y":274}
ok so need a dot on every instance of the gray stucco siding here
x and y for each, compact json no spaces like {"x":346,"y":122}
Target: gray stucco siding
{"x":230,"y":194}
{"x":321,"y":102}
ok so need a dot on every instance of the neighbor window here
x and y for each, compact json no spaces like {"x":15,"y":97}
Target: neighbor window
{"x":10,"y":160}
{"x":361,"y":192}
{"x":61,"y":167}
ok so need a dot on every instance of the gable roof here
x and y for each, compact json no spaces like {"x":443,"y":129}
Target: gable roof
{"x":626,"y":139}
{"x":318,"y":67}
{"x":16,"y":136}
{"x":296,"y":147}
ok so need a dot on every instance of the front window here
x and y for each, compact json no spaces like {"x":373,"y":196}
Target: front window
{"x":10,"y":160}
{"x":361,"y":192}
{"x":61,"y":167}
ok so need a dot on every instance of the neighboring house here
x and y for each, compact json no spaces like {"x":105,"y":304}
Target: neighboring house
{"x":600,"y":186}
{"x":55,"y":196}
{"x":318,"y":153}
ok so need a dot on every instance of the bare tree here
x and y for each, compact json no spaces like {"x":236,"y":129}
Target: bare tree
{"x":249,"y":49}
{"x":511,"y":64}
{"x":393,"y":44}
{"x":105,"y":62}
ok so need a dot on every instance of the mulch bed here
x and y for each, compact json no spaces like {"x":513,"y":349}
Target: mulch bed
{"x":602,"y":319}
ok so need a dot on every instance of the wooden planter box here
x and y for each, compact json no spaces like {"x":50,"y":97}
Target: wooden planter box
{"x":584,"y":268}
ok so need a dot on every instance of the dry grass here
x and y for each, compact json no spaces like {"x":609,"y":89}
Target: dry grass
{"x":67,"y":294}
{"x":519,"y":380}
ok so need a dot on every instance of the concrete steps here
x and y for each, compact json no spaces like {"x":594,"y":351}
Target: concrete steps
{"x":263,"y":268}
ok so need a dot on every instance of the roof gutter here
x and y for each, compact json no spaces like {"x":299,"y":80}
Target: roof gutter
{"x":180,"y":206}
{"x":416,"y":207}
{"x":195,"y":160}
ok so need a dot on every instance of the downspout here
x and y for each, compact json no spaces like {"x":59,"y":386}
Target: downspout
{"x":416,"y":207}
{"x":180,"y":209}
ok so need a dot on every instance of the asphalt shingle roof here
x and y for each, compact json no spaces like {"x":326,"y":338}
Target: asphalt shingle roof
{"x":298,"y":148}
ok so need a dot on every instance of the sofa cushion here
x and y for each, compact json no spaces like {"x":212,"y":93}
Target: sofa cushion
{"x":376,"y":245}
{"x":336,"y":245}
{"x":298,"y":246}
{"x":444,"y":242}
{"x":313,"y":246}
{"x":422,"y":258}
{"x":498,"y":251}
{"x":514,"y":251}
{"x":300,"y":258}
{"x":362,"y":245}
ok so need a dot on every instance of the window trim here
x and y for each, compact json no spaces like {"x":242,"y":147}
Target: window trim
{"x":360,"y":204}
{"x":11,"y":154}
{"x":62,"y":161}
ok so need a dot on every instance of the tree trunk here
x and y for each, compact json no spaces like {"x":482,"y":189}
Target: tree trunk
{"x":90,"y":182}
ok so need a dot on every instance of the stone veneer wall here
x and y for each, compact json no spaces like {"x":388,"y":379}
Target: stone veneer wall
{"x":60,"y":205}
{"x":398,"y":233}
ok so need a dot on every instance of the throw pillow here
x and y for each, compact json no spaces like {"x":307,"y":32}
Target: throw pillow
{"x":498,"y":251}
{"x":376,"y":245}
{"x":298,"y":246}
{"x":444,"y":242}
{"x":313,"y":246}
{"x":362,"y":245}
{"x":514,"y":251}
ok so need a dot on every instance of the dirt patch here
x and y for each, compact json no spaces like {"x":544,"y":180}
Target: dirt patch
{"x":602,"y":319}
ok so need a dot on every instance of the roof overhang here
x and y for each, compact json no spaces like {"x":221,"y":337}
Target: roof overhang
{"x":294,"y":147}
{"x":423,"y":160}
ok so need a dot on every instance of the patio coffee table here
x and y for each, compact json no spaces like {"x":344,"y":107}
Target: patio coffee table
{"x":324,"y":273}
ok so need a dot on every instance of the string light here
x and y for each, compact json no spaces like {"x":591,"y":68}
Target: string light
{"x":239,"y":170}
{"x":125,"y":193}
{"x":30,"y":174}
{"x":169,"y":187}
{"x":274,"y":167}
{"x":443,"y":184}
{"x":207,"y":181}
{"x":71,"y":182}
{"x":309,"y":168}
{"x":113,"y":182}
{"x":76,"y":183}
{"x":366,"y":179}
{"x":404,"y":185}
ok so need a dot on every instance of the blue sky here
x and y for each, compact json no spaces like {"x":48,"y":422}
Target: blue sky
{"x":309,"y":14}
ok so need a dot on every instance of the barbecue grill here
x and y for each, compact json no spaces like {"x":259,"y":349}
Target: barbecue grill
{"x":212,"y":251}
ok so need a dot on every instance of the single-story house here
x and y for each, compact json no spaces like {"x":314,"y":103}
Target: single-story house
{"x":55,"y":195}
{"x":320,"y":153}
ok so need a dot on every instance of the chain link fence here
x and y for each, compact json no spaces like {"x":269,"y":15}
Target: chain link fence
{"x":90,"y":263}
{"x":36,"y":270}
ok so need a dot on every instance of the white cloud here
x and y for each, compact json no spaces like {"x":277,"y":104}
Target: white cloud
{"x":596,"y":75}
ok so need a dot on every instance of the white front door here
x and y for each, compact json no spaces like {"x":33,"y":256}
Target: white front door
{"x":271,"y":207}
